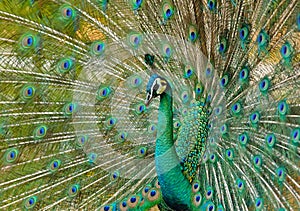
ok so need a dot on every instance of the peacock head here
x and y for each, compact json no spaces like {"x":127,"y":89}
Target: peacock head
{"x":155,"y":87}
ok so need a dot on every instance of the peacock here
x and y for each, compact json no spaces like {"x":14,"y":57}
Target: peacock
{"x":136,"y":105}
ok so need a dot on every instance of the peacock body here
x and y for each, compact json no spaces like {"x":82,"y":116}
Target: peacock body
{"x":149,"y":105}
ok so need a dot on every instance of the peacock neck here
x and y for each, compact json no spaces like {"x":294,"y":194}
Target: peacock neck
{"x":176,"y":189}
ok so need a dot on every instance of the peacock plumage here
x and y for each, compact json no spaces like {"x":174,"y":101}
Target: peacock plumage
{"x":149,"y":105}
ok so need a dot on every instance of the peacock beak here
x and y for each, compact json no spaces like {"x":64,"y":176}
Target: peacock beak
{"x":148,"y":100}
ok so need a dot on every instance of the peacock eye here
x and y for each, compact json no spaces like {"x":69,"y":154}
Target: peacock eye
{"x":224,"y":81}
{"x":40,"y":132}
{"x":28,"y":92}
{"x":67,"y":13}
{"x":208,"y":72}
{"x":168,"y":10}
{"x":136,"y":4}
{"x":114,"y":176}
{"x":134,"y":39}
{"x":211,"y":4}
{"x":30,"y":202}
{"x":65,"y":65}
{"x":295,"y":135}
{"x":54,"y":165}
{"x":73,"y":190}
{"x":262,"y":38}
{"x":193,"y":34}
{"x":92,"y":157}
{"x":259,"y":203}
{"x":188,"y":71}
{"x":11,"y":155}
{"x":97,"y":48}
{"x":243,"y":33}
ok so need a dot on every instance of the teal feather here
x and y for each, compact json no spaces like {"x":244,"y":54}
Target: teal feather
{"x":219,"y":129}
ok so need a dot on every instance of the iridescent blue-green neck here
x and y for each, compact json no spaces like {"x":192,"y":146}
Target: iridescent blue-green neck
{"x":176,"y":189}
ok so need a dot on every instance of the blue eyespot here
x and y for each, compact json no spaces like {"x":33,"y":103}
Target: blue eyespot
{"x":28,"y":41}
{"x":243,"y":139}
{"x":224,"y":129}
{"x":103,"y":93}
{"x":168,"y":10}
{"x":133,"y":199}
{"x":255,"y":117}
{"x":153,"y":193}
{"x":193,"y":35}
{"x":270,"y":140}
{"x":240,"y":184}
{"x":65,"y":65}
{"x":224,"y":81}
{"x":30,"y":202}
{"x":142,"y":152}
{"x":243,"y":75}
{"x":135,"y":39}
{"x":40,"y":132}
{"x":188,"y":71}
{"x":54,"y":165}
{"x":73,"y":190}
{"x":295,"y":135}
{"x":282,"y":108}
{"x":281,"y":174}
{"x":136,"y":4}
{"x":221,"y":47}
{"x":111,"y":122}
{"x":28,"y":92}
{"x":211,"y":4}
{"x":212,"y":158}
{"x":92,"y":157}
{"x":262,"y":39}
{"x":67,"y":12}
{"x":97,"y":48}
{"x":264,"y":85}
{"x":11,"y":155}
{"x":236,"y":108}
{"x":229,"y":154}
{"x":114,"y":176}
{"x":259,"y":203}
{"x":243,"y":33}
{"x":257,"y":160}
{"x":140,"y":108}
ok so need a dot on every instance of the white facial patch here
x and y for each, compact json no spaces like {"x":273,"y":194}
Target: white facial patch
{"x":162,"y":85}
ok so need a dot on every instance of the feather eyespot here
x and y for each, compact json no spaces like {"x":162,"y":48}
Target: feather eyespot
{"x":81,"y":140}
{"x":243,"y":139}
{"x":28,"y":92}
{"x":65,"y":65}
{"x":54,"y":165}
{"x":136,"y":4}
{"x":295,"y":135}
{"x":40,"y":132}
{"x":30,"y":202}
{"x":11,"y":155}
{"x":168,"y":10}
{"x":97,"y":48}
{"x":73,"y":190}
